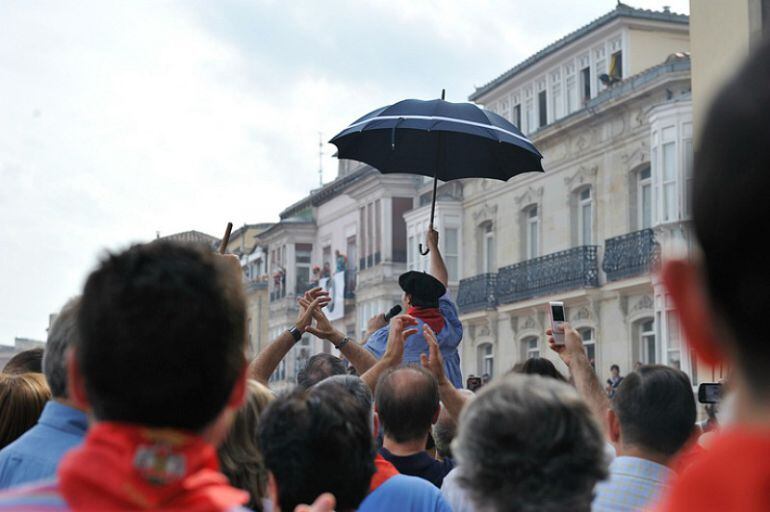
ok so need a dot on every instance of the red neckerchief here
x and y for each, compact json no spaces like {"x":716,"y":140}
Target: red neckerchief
{"x":732,"y":473}
{"x":127,"y":467}
{"x":431,"y":316}
{"x":385,"y":470}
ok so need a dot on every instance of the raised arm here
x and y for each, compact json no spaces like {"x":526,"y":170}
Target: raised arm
{"x":451,"y":397}
{"x":359,"y":357}
{"x":263,"y":366}
{"x":401,"y":327}
{"x":587,"y":383}
{"x":437,"y":265}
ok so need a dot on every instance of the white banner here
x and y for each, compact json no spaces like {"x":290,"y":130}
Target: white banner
{"x":335,"y":285}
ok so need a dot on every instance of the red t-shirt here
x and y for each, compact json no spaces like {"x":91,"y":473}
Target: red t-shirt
{"x":384,"y":471}
{"x":733,"y":474}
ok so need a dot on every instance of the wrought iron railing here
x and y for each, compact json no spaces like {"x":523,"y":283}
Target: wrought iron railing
{"x":557,"y":272}
{"x":477,"y":293}
{"x":630,"y":255}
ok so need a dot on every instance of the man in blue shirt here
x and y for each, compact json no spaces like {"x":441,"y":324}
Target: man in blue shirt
{"x":36,"y":454}
{"x":426,"y":299}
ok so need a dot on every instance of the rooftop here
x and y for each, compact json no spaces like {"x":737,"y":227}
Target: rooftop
{"x":191,"y":236}
{"x":621,"y":11}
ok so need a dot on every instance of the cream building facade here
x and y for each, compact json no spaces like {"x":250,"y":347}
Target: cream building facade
{"x":610,"y":108}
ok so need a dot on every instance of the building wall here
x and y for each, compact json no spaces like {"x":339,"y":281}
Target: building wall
{"x":721,"y":39}
{"x":649,"y":48}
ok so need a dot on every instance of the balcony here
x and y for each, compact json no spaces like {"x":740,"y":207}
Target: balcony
{"x":558,"y":272}
{"x":477,"y":293}
{"x":630,"y":255}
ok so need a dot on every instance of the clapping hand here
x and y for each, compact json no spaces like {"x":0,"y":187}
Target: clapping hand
{"x":401,"y":327}
{"x":433,"y":361}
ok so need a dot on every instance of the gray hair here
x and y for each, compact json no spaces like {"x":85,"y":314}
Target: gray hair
{"x":527,"y":443}
{"x":357,"y":389}
{"x":63,"y":334}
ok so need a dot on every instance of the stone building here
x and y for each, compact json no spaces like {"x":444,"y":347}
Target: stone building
{"x":609,"y":106}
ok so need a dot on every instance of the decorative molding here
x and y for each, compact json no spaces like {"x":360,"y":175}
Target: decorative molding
{"x":484,"y":213}
{"x":529,"y":323}
{"x":645,"y":303}
{"x":583,"y":313}
{"x":532,"y":195}
{"x":639,"y":155}
{"x":584,"y":174}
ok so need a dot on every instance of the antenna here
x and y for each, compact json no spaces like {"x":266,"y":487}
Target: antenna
{"x":320,"y":159}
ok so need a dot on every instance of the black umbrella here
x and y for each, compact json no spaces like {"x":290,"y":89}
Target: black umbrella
{"x":438,"y":139}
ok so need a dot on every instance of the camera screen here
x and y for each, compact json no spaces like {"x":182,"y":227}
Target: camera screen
{"x":558,"y":313}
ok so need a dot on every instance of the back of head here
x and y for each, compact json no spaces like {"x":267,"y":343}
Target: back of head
{"x":316,"y":441}
{"x":63,"y":334}
{"x":356,"y":387}
{"x":22,"y":398}
{"x":407,"y":401}
{"x":318,"y":368}
{"x":539,"y":366}
{"x":656,"y":409}
{"x":529,"y":443}
{"x":730,"y":207}
{"x":27,"y":361}
{"x":162,"y":336}
{"x":239,"y":455}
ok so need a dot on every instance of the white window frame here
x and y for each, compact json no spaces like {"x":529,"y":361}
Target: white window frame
{"x":533,"y":231}
{"x":448,"y":253}
{"x":488,"y":248}
{"x":486,"y":362}
{"x":530,"y":351}
{"x":589,"y":341}
{"x":583,"y":204}
{"x":643,"y":183}
{"x":645,"y":337}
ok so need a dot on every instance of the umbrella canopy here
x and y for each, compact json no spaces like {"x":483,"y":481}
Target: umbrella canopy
{"x":439,"y":139}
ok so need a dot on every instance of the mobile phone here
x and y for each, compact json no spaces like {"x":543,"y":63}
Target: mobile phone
{"x":709,"y":392}
{"x":557,"y":321}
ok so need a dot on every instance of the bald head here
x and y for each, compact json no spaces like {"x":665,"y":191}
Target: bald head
{"x":407,"y":403}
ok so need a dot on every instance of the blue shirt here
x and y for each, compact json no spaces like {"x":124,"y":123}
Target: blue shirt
{"x":634,"y":484}
{"x":448,"y":340}
{"x":407,"y":493}
{"x":36,"y":454}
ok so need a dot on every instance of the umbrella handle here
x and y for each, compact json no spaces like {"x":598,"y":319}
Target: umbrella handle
{"x":427,"y":250}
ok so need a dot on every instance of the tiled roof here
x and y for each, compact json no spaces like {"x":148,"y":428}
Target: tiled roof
{"x":621,"y":11}
{"x":327,"y":192}
{"x":192,"y":236}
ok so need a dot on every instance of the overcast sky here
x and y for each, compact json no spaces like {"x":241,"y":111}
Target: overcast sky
{"x":120,"y":119}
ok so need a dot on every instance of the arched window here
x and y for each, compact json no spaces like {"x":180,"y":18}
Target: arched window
{"x":531,"y":232}
{"x":644,"y":342}
{"x":486,"y":360}
{"x":589,"y":342}
{"x":530,"y":347}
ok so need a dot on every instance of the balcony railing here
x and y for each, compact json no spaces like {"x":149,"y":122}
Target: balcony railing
{"x":477,"y":293}
{"x":629,"y":255}
{"x":561,"y":271}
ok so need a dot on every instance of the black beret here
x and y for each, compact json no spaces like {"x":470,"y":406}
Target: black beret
{"x":424,"y":288}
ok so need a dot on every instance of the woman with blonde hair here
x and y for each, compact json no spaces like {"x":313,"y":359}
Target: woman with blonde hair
{"x":22,"y":398}
{"x":239,"y":455}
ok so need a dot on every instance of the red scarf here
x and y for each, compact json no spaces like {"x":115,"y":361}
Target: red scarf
{"x":431,"y":316}
{"x":127,"y":467}
{"x":385,"y":470}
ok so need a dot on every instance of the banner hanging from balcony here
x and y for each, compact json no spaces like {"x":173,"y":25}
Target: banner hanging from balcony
{"x":335,"y":285}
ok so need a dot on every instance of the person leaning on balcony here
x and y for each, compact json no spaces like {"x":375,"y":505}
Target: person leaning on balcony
{"x":426,"y":298}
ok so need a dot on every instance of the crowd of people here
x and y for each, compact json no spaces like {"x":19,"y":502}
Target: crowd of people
{"x":144,"y":398}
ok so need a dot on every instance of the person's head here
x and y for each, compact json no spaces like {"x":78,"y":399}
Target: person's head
{"x":27,"y":361}
{"x":22,"y":398}
{"x":162,"y":338}
{"x":319,"y":367}
{"x":721,"y":293}
{"x":63,"y":334}
{"x":445,"y":429}
{"x":239,"y":455}
{"x":315,"y":441}
{"x":529,"y":443}
{"x":407,"y":403}
{"x":615,"y":370}
{"x":653,"y":412}
{"x":539,"y":366}
{"x":421,"y":290}
{"x":358,"y":389}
